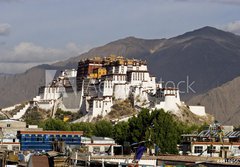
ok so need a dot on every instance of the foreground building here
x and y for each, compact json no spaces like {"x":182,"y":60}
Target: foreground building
{"x":223,"y":143}
{"x":45,"y":140}
{"x":97,"y":145}
{"x":8,"y":133}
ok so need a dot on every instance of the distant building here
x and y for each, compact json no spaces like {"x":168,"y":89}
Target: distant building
{"x":43,"y":140}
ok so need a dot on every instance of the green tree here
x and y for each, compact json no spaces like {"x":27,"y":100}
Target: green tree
{"x":158,"y":127}
{"x":121,"y":132}
{"x":55,"y":124}
{"x":60,"y":114}
{"x":164,"y":131}
{"x":87,"y":127}
{"x":103,"y":128}
{"x":139,"y":125}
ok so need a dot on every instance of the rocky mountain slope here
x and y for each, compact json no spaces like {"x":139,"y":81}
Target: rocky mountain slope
{"x":22,"y":87}
{"x":222,"y":102}
{"x":208,"y":57}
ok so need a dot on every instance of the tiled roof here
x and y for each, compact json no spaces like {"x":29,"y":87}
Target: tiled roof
{"x":233,"y":134}
{"x":52,"y":132}
{"x":214,"y":133}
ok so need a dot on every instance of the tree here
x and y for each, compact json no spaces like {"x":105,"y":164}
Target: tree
{"x":158,"y":127}
{"x":103,"y":128}
{"x":87,"y":127}
{"x":164,"y":131}
{"x":55,"y":124}
{"x":139,"y":125}
{"x":121,"y":132}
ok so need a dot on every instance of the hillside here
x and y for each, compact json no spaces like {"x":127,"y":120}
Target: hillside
{"x":222,"y":102}
{"x":208,"y":57}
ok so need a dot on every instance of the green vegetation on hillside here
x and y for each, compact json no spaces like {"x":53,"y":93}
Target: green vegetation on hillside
{"x":156,"y":127}
{"x":35,"y":115}
{"x":60,"y":114}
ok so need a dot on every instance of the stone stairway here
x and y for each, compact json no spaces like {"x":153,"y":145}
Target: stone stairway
{"x":21,"y":112}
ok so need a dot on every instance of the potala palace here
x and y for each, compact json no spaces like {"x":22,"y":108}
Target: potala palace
{"x":98,"y":83}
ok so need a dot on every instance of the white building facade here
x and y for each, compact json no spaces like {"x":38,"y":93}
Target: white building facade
{"x":118,"y":79}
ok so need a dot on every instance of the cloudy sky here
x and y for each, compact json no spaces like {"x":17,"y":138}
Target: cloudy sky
{"x":34,"y":32}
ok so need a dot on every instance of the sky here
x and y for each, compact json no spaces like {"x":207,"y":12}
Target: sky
{"x":34,"y":32}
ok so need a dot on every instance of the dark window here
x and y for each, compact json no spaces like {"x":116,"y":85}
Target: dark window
{"x":39,"y":138}
{"x":106,"y":148}
{"x":198,"y":149}
{"x":96,"y":149}
{"x":15,"y":148}
{"x":211,"y":149}
{"x":225,"y":148}
{"x":33,"y":138}
{"x":8,"y":125}
{"x":117,"y":150}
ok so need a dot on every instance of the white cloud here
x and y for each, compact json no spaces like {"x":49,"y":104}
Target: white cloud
{"x":29,"y":52}
{"x":4,"y":29}
{"x":233,"y":27}
{"x":26,"y":55}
